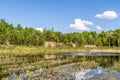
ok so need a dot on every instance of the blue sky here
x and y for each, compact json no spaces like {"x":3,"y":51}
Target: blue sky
{"x":63,"y":15}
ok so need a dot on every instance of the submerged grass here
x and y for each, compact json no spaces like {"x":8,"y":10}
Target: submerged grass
{"x":28,"y":58}
{"x":18,"y":62}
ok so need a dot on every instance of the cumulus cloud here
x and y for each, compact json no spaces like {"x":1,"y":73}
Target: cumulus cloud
{"x":81,"y":25}
{"x":98,"y":27}
{"x":107,"y":15}
{"x":39,"y":29}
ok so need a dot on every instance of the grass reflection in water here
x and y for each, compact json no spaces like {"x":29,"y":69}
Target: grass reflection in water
{"x":57,"y":67}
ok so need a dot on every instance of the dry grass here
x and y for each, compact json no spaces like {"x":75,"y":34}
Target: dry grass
{"x":48,"y":50}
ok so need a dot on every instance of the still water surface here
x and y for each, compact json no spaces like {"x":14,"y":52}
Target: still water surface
{"x":88,"y":54}
{"x":74,"y":66}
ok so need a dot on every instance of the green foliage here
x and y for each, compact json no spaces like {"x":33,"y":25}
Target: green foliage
{"x":10,"y":35}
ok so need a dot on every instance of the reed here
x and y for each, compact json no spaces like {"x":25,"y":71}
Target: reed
{"x":18,"y":59}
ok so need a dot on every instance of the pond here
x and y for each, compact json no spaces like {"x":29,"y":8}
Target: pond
{"x":61,"y":66}
{"x":87,"y":54}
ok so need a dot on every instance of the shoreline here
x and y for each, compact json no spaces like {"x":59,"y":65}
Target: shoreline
{"x":49,"y":50}
{"x":101,"y":50}
{"x":107,"y":51}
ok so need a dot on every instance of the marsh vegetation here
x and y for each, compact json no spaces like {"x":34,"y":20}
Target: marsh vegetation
{"x":37,"y":66}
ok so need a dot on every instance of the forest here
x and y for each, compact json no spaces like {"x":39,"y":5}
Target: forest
{"x":17,"y":35}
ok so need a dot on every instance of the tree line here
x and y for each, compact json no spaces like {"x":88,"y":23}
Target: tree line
{"x":11,"y":35}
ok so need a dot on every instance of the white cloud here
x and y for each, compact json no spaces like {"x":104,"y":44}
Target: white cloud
{"x":98,"y":27}
{"x":107,"y":15}
{"x":81,"y":25}
{"x":39,"y":29}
